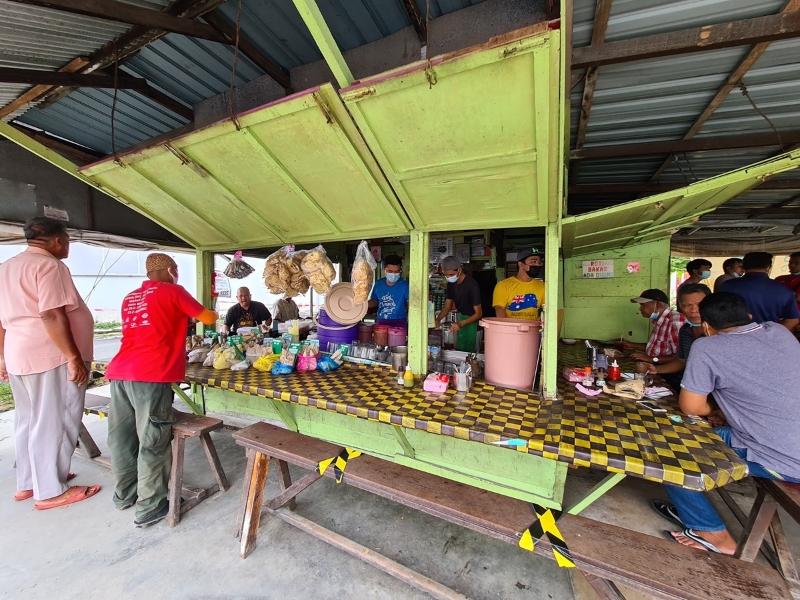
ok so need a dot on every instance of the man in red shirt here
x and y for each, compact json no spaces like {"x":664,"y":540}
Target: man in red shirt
{"x":792,"y":280}
{"x":151,"y":358}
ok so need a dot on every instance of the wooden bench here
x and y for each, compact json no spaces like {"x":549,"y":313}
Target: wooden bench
{"x":764,"y":518}
{"x":605,"y":553}
{"x":181,"y":497}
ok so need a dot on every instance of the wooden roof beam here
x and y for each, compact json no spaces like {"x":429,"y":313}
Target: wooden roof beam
{"x":112,"y":10}
{"x":85,"y":155}
{"x":601,"y":15}
{"x":726,"y":142}
{"x":782,"y":26}
{"x":733,"y":80}
{"x":34,"y":77}
{"x":417,"y":20}
{"x":264,"y":62}
{"x":36,"y":92}
{"x":319,"y":30}
{"x":656,"y":188}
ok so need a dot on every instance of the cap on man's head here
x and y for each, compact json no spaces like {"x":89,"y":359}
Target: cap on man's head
{"x":651,"y":295}
{"x":450,"y":263}
{"x":526,"y":252}
{"x":158,"y":261}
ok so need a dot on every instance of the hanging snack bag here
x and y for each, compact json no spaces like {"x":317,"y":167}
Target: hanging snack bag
{"x":319,"y":270}
{"x":363,"y":274}
{"x":237,"y":268}
{"x":277,"y":276}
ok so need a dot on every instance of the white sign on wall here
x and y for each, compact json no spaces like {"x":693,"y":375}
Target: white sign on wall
{"x":598,"y":269}
{"x":56,"y":213}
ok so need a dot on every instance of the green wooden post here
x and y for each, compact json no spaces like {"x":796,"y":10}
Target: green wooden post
{"x":552,"y":284}
{"x":309,"y":12}
{"x":418,"y":302}
{"x":204,"y":271}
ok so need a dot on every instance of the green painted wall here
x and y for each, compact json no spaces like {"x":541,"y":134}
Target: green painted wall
{"x":601,"y":308}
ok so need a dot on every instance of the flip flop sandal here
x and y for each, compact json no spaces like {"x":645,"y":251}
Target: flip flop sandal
{"x":25,"y":494}
{"x":668,"y":511}
{"x":689,"y":533}
{"x":72,"y":495}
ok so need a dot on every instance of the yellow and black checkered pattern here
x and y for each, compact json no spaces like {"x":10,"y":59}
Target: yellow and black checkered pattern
{"x":602,"y":432}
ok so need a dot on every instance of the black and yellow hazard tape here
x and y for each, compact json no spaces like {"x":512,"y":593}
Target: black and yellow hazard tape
{"x":546,"y":524}
{"x":339,"y":463}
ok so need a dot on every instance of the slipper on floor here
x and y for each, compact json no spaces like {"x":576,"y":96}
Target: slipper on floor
{"x":689,"y":533}
{"x":72,"y":495}
{"x":25,"y":494}
{"x":668,"y":511}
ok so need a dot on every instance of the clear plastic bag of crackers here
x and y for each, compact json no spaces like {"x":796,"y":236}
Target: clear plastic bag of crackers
{"x":237,"y":268}
{"x":362,"y":275}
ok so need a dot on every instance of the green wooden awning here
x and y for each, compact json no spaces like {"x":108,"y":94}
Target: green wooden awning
{"x":660,"y":216}
{"x":297,"y":172}
{"x":471,"y":139}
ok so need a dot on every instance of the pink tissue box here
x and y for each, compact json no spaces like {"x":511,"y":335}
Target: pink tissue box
{"x":573,"y":375}
{"x":436,"y":382}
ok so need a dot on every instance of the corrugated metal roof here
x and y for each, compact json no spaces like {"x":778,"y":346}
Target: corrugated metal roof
{"x":660,"y":99}
{"x":32,"y":37}
{"x":191,"y":70}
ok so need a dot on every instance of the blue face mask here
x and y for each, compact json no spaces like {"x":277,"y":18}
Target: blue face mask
{"x":705,"y":274}
{"x":393,"y":277}
{"x":735,"y":274}
{"x":654,"y":316}
{"x":694,"y":324}
{"x":452,"y":279}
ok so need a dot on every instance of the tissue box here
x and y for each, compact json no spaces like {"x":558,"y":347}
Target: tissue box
{"x":573,"y":375}
{"x":436,"y":382}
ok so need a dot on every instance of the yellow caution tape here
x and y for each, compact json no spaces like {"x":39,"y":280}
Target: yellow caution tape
{"x":546,"y":524}
{"x":339,"y":463}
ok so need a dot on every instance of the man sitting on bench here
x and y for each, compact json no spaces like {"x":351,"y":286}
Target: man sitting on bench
{"x":749,"y":368}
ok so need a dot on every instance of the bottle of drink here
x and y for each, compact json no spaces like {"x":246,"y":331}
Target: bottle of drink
{"x":588,"y":380}
{"x":408,"y":377}
{"x":613,"y":372}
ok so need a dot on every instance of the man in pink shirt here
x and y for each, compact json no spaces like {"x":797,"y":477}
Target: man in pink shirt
{"x":46,"y":341}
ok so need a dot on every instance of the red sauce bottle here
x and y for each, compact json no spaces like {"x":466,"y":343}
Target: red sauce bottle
{"x":613,"y":372}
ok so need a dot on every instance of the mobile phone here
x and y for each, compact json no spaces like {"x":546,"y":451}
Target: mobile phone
{"x":651,"y":406}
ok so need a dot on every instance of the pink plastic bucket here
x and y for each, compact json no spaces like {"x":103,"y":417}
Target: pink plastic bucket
{"x":398,"y":336}
{"x":512,"y":351}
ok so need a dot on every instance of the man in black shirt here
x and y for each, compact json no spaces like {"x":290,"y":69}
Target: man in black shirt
{"x":463,"y":294}
{"x":247,"y":313}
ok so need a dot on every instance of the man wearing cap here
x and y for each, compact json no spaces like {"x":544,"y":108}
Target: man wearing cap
{"x":463,"y":294}
{"x":663,"y":343}
{"x":521,"y":296}
{"x":390,"y":294}
{"x":46,"y":341}
{"x":151,"y":358}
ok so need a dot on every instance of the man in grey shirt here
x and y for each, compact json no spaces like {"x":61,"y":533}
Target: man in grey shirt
{"x":748,"y":367}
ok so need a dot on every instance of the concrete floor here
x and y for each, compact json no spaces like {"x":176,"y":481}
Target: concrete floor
{"x":90,"y":550}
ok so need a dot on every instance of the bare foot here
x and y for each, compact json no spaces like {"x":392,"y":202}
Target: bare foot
{"x":722,"y":540}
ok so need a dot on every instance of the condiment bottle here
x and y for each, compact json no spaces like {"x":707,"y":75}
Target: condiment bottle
{"x":588,"y":380}
{"x":613,"y":372}
{"x":408,"y":378}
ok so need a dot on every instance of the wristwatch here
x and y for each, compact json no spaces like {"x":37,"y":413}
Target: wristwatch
{"x":655,"y":360}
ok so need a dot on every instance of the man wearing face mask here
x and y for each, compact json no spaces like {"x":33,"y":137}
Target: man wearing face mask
{"x":390,"y":294}
{"x":521,"y":296}
{"x":698,"y":269}
{"x":463,"y":294}
{"x":762,"y":412}
{"x":152,"y":357}
{"x":766,"y":299}
{"x":733,"y":270}
{"x":689,"y":298}
{"x":662,"y":345}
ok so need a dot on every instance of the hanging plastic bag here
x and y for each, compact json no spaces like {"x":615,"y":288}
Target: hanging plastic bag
{"x":319,"y":270}
{"x":283,"y":274}
{"x":363,"y":274}
{"x":237,"y":268}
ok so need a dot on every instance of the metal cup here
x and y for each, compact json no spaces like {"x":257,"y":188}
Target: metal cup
{"x":462,"y":381}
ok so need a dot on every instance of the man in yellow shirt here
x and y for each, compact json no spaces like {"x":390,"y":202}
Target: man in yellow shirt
{"x":521,"y":296}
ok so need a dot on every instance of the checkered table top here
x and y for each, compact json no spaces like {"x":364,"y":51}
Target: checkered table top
{"x":603,"y":432}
